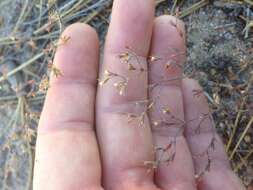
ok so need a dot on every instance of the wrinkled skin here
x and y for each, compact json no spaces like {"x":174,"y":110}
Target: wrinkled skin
{"x":86,"y":143}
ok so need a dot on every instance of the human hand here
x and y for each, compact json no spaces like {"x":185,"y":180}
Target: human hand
{"x":85,"y":139}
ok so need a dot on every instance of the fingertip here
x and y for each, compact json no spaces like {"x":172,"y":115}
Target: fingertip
{"x":73,"y":77}
{"x":131,"y":25}
{"x":78,"y":52}
{"x":176,"y":24}
{"x":168,"y":44}
{"x":81,"y":32}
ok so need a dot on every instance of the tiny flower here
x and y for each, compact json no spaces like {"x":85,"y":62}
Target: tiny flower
{"x":131,"y":67}
{"x":121,"y":87}
{"x":168,"y":65}
{"x":156,"y":123}
{"x":56,"y":71}
{"x":44,"y":84}
{"x":107,"y":73}
{"x":153,"y":58}
{"x":64,"y":39}
{"x":125,"y":57}
{"x":166,"y":110}
{"x":105,"y":80}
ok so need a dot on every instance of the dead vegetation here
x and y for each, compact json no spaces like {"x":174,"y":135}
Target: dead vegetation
{"x":28,"y":41}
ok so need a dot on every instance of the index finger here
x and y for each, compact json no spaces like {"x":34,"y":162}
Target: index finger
{"x":67,"y":155}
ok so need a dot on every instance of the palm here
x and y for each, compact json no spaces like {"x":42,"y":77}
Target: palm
{"x":86,"y":139}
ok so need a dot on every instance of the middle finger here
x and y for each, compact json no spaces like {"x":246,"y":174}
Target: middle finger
{"x":126,"y":145}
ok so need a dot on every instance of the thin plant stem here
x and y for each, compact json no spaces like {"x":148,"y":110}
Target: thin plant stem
{"x":23,"y":12}
{"x":22,"y":66}
{"x":193,"y":8}
{"x":241,"y":138}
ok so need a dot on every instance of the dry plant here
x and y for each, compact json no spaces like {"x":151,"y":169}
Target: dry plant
{"x":166,"y":154}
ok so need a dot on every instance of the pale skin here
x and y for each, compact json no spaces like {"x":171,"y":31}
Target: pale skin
{"x":86,"y":143}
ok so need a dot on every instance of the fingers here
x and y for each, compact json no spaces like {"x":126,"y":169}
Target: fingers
{"x":175,"y":169}
{"x":125,"y":145}
{"x":131,"y":26}
{"x":210,"y":160}
{"x":67,"y":154}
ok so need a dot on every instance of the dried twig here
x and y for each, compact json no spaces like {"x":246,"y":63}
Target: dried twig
{"x":22,"y":66}
{"x":249,"y":125}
